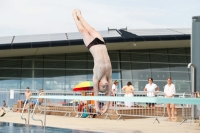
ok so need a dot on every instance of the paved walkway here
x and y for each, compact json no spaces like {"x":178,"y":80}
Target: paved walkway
{"x":109,"y":126}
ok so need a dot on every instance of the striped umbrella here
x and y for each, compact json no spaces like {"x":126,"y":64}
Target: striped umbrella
{"x":84,"y":86}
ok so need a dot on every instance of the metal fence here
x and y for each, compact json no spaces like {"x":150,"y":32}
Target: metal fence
{"x":72,"y":106}
{"x":139,"y":109}
{"x":188,"y":109}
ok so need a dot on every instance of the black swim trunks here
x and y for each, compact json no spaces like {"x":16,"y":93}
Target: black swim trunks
{"x":96,"y":41}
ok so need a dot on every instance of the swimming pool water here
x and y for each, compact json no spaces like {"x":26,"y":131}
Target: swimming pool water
{"x":21,"y":128}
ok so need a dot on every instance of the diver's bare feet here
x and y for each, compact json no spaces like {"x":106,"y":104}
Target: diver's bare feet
{"x":78,"y":13}
{"x":169,"y":117}
{"x":74,"y":13}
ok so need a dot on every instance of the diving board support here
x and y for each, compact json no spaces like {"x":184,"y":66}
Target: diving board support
{"x":186,"y":120}
{"x":120,"y":116}
{"x":156,"y":119}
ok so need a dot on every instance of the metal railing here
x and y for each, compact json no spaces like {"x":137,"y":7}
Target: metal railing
{"x":188,"y":109}
{"x":69,"y":107}
{"x":134,"y":109}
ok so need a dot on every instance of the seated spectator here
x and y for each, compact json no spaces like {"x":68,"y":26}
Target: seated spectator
{"x":20,"y":103}
{"x":128,"y":93}
{"x":80,"y":107}
{"x":34,"y":101}
{"x":85,"y":111}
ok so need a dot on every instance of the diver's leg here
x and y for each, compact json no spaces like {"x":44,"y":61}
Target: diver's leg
{"x":86,"y":36}
{"x":108,"y":92}
{"x":89,"y":28}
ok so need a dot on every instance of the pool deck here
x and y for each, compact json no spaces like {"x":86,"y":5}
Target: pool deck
{"x":144,"y":125}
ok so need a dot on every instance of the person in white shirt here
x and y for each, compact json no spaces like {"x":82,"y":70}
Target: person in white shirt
{"x":114,"y":87}
{"x":151,"y":89}
{"x":169,"y":92}
{"x":114,"y":90}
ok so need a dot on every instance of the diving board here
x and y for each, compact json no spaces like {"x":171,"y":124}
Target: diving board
{"x":195,"y":101}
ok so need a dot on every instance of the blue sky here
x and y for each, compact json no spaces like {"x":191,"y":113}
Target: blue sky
{"x":22,"y":17}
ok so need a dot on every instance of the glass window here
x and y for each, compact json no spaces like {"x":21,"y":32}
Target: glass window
{"x":76,"y":74}
{"x":76,"y":64}
{"x":140,"y":57}
{"x":116,"y":75}
{"x":125,"y":56}
{"x":188,"y":59}
{"x":55,"y":57}
{"x":54,"y":64}
{"x":54,"y":83}
{"x":161,"y":51}
{"x":179,"y":76}
{"x":10,"y":63}
{"x":114,"y":56}
{"x":90,"y":65}
{"x":159,"y":67}
{"x":176,"y":51}
{"x":158,"y":58}
{"x":27,"y":64}
{"x":76,"y":56}
{"x":140,"y":66}
{"x":115,"y":65}
{"x":141,"y":85}
{"x":126,"y":74}
{"x":54,"y":73}
{"x":177,"y":59}
{"x":10,"y":84}
{"x":38,"y":83}
{"x":178,"y":67}
{"x":160,"y":75}
{"x":141,"y":75}
{"x":89,"y":75}
{"x":27,"y":82}
{"x":182,"y":86}
{"x":27,"y":73}
{"x":126,"y":65}
{"x":188,"y":52}
{"x":10,"y":73}
{"x":161,"y":84}
{"x":38,"y":64}
{"x":38,"y":73}
{"x":90,"y":57}
{"x":140,"y":50}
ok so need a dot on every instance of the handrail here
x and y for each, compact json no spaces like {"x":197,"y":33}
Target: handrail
{"x":34,"y":110}
{"x":23,"y":112}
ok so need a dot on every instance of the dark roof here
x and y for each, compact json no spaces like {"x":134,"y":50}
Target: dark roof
{"x":71,"y":39}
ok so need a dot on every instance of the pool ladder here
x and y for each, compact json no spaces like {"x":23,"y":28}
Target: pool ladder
{"x":29,"y":113}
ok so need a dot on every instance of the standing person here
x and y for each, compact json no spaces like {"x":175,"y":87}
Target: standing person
{"x":169,"y":92}
{"x":114,"y":90}
{"x":128,"y":93}
{"x":114,"y":87}
{"x":151,"y":89}
{"x":102,"y":71}
{"x":20,"y":103}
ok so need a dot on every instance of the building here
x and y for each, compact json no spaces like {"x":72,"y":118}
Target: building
{"x":60,"y":61}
